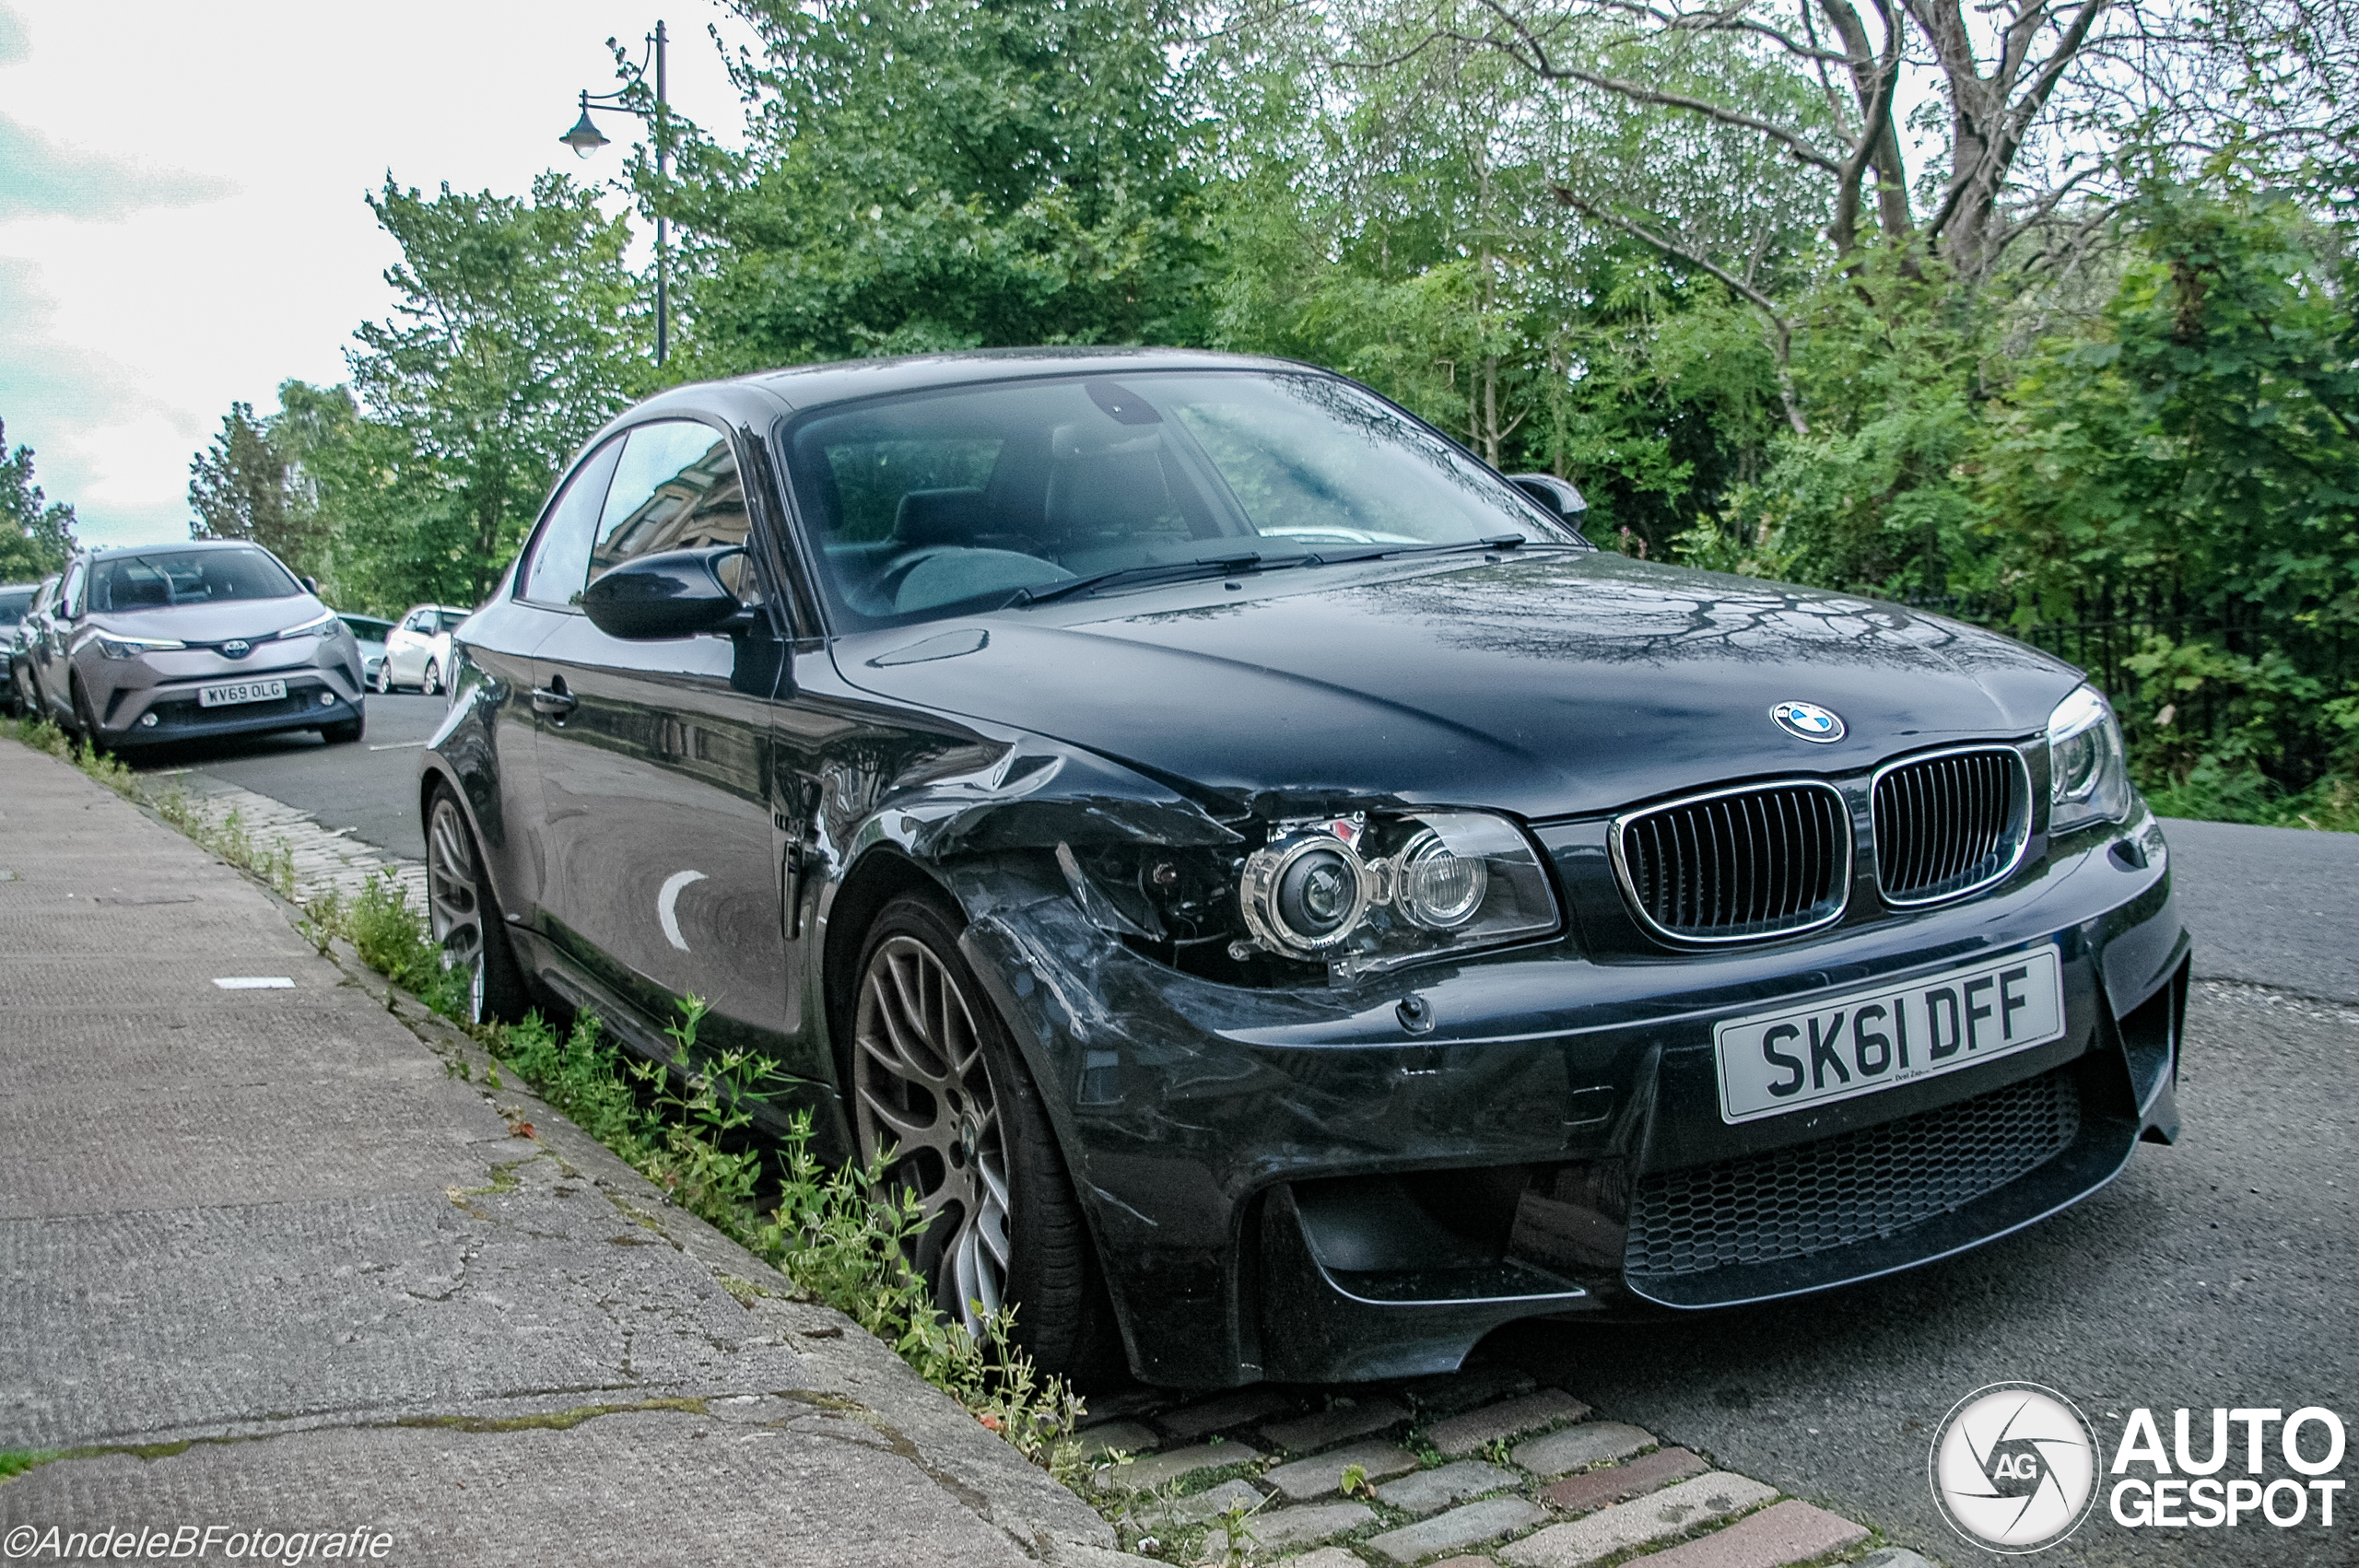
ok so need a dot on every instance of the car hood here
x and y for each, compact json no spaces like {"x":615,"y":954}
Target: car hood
{"x":249,"y":618}
{"x":1547,"y":685}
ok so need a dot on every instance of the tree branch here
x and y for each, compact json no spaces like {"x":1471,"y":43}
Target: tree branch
{"x":1533,"y":50}
{"x":1781,"y":329}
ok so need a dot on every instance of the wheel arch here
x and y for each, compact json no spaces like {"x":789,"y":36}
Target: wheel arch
{"x":873,"y":880}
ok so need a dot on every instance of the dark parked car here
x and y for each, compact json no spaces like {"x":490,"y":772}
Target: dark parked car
{"x":17,"y":601}
{"x":1290,"y":906}
{"x":212,"y":638}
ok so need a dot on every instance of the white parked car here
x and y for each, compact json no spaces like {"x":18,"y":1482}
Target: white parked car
{"x":418,"y":650}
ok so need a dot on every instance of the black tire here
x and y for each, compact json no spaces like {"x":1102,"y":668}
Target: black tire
{"x":385,"y":678}
{"x":431,"y":684}
{"x":85,"y":722}
{"x":344,"y":734}
{"x":459,"y":900}
{"x":1065,"y":1319}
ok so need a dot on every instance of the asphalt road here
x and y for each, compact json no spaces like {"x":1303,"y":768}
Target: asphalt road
{"x":369,"y":787}
{"x":2216,"y":1273}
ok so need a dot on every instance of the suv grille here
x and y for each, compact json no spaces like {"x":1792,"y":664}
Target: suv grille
{"x":1949,"y":824}
{"x":1739,"y":863}
{"x":1792,"y":1202}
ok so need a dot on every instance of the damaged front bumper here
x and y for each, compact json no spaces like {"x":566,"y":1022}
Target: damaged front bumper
{"x":1356,"y":1183}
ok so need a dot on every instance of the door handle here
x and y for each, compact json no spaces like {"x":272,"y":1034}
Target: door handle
{"x":554,"y":700}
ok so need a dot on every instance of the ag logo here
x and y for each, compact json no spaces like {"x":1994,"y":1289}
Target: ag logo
{"x":2013,"y":1467}
{"x":1807,"y":721}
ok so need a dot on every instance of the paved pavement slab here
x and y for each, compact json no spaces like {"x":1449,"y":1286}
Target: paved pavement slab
{"x":271,"y":1231}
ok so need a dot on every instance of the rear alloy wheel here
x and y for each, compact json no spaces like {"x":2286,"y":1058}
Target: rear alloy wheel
{"x":432,"y":685}
{"x":464,"y":919}
{"x":384,"y":677}
{"x":937,"y":1081}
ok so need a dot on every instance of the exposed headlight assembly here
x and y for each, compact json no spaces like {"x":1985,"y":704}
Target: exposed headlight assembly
{"x":117,"y":647}
{"x":2088,"y":776}
{"x":1365,"y":896}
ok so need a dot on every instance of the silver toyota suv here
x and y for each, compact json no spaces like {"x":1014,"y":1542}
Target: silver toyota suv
{"x":212,"y":638}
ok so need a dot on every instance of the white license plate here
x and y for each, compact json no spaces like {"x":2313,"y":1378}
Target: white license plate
{"x":1863,"y":1041}
{"x":237,"y":692}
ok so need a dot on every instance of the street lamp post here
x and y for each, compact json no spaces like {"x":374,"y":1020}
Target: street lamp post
{"x":586,"y":138}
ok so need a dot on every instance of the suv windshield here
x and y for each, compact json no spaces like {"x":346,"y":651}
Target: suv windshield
{"x":168,"y":579}
{"x":924,"y":505}
{"x":14,"y":602}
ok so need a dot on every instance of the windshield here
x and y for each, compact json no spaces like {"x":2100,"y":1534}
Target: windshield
{"x":14,"y":602}
{"x":930,"y":504}
{"x":168,"y":579}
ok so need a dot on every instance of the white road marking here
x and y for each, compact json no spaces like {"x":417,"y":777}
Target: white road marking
{"x":397,"y":745}
{"x":665,"y":902}
{"x":255,"y":983}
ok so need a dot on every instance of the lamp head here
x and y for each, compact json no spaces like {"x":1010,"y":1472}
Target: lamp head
{"x":585,"y":137}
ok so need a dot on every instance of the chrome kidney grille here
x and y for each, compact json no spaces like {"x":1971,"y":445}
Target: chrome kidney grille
{"x":1950,"y":824}
{"x":1737,"y":865}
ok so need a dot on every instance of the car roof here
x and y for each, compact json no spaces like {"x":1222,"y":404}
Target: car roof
{"x":800,"y":387}
{"x":116,"y":551}
{"x":806,"y":386}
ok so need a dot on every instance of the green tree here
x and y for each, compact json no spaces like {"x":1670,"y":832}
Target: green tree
{"x":245,"y":485}
{"x":928,"y":176}
{"x":519,"y":332}
{"x":2191,"y":452}
{"x":36,"y":534}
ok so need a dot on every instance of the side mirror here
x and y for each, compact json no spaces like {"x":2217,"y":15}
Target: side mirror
{"x":1556,"y":497}
{"x":670,"y":594}
{"x":310,"y":585}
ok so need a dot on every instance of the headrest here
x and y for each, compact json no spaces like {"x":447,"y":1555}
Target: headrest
{"x":939,"y":517}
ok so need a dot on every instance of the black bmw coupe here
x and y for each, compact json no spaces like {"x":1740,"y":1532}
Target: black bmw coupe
{"x":1286,"y":902}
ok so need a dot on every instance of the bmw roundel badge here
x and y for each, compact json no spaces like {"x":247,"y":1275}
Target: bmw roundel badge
{"x":1807,"y":721}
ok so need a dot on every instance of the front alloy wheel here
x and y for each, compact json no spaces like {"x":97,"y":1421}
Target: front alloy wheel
{"x":936,"y":1078}
{"x":924,"y":1088}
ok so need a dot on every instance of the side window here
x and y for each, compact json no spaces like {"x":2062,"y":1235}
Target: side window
{"x":70,"y":596}
{"x":560,"y":564}
{"x":675,"y":488}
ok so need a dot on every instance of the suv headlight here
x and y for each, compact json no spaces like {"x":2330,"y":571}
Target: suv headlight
{"x":2088,"y":776}
{"x":117,"y":647}
{"x":311,"y":627}
{"x":1366,"y":894}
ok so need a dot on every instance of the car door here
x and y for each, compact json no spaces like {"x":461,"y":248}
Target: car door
{"x":49,"y":669}
{"x":542,"y":595}
{"x":405,"y":649}
{"x":654,"y":763}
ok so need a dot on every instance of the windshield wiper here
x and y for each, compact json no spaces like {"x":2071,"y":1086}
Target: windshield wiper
{"x":1176,"y":571}
{"x":1377,"y":552}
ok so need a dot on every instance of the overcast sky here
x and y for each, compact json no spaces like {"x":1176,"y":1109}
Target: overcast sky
{"x":181,"y":214}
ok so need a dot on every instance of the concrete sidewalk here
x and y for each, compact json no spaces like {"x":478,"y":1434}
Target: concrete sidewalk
{"x":291,"y":1276}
